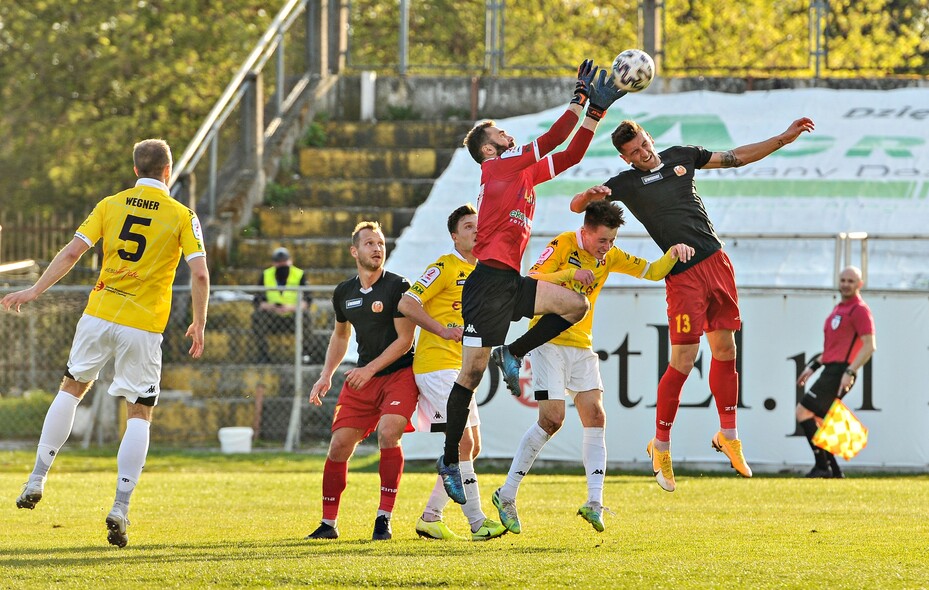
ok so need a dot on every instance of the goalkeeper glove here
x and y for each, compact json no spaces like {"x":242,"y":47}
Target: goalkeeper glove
{"x":602,"y":94}
{"x":585,"y":75}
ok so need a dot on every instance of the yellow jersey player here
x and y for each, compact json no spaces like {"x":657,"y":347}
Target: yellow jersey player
{"x":434,"y":304}
{"x":580,"y":261}
{"x":144,"y":233}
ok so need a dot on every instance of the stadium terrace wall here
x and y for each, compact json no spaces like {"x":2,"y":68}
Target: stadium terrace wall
{"x":427,"y":97}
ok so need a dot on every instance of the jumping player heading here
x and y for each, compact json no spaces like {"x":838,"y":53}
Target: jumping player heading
{"x":660,"y":191}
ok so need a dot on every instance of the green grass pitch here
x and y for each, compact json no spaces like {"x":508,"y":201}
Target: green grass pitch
{"x":207,"y":520}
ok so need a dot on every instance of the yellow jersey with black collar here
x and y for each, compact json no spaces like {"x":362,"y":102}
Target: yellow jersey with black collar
{"x":144,"y":233}
{"x":439,"y":292}
{"x":565,"y":255}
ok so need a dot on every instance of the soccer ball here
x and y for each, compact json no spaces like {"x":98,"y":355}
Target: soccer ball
{"x":633,"y":70}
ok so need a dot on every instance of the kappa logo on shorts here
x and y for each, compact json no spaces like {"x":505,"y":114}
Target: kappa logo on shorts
{"x":438,"y":416}
{"x":151,"y":389}
{"x":395,"y":403}
{"x":470,"y":329}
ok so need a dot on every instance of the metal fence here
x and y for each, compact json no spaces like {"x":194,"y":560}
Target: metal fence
{"x":801,"y":38}
{"x":235,"y":383}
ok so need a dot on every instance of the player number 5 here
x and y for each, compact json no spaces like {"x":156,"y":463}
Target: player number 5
{"x":128,"y":235}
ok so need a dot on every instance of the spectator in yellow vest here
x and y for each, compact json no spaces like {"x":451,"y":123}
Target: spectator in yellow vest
{"x":275,"y":307}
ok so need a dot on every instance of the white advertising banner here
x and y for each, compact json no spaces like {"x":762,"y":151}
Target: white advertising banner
{"x":864,"y":169}
{"x":781,"y":331}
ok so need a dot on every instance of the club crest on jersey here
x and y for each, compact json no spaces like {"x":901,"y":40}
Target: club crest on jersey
{"x":680,"y":170}
{"x":377,"y":306}
{"x":99,"y":286}
{"x":353,"y":303}
{"x":431,"y":274}
{"x":836,"y":320}
{"x":651,"y":178}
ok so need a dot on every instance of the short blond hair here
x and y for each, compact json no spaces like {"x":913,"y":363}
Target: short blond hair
{"x":362,"y":225}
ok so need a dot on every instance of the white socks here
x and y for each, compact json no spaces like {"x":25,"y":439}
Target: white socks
{"x":130,"y":459}
{"x":437,"y":502}
{"x":529,"y":448}
{"x":471,"y":508}
{"x":55,"y":432}
{"x":594,"y":454}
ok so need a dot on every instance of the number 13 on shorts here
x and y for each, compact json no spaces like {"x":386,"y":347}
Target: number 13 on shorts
{"x":682,"y":323}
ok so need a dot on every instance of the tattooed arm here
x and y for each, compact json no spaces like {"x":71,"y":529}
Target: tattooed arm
{"x":753,"y":152}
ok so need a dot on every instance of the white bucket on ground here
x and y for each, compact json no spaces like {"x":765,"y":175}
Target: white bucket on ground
{"x":236,"y":439}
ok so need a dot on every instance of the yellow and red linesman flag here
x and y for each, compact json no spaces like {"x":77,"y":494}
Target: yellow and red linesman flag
{"x":841,"y":433}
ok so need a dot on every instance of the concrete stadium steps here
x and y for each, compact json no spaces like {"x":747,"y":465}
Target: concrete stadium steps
{"x":307,"y":253}
{"x":296,"y":222}
{"x":394,"y":134}
{"x":357,"y":162}
{"x":367,"y":192}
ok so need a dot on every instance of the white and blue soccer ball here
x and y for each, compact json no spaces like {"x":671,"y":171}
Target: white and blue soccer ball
{"x":633,"y":70}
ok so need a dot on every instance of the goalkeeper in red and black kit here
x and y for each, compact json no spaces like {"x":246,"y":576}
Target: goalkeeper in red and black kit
{"x":495,"y":293}
{"x":848,"y":345}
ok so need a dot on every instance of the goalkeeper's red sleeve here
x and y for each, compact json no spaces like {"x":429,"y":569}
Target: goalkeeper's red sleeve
{"x":574,"y":152}
{"x":559,"y":132}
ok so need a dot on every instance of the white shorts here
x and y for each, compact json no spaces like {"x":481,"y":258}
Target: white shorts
{"x":137,"y":354}
{"x":557,"y":370}
{"x":434,"y":388}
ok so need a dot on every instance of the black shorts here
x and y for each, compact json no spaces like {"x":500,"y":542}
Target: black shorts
{"x":490,"y":300}
{"x":822,"y":393}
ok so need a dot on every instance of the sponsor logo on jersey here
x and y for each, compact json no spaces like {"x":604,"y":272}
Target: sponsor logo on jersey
{"x":353,"y":303}
{"x":377,"y":306}
{"x":836,"y":320}
{"x":417,"y":288}
{"x":680,"y":170}
{"x":431,"y":274}
{"x":574,"y":261}
{"x":651,"y":178}
{"x":460,"y":282}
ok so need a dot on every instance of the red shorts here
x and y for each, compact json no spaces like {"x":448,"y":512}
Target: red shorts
{"x":395,"y":393}
{"x":702,"y":299}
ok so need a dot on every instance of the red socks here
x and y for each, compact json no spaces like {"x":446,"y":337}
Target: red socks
{"x":334,"y":475}
{"x":724,"y":384}
{"x":390,"y":468}
{"x":669,"y":398}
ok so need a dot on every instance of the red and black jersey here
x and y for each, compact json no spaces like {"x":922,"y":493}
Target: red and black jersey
{"x":371,"y":313}
{"x":666,"y":202}
{"x":506,"y":203}
{"x":848,"y":322}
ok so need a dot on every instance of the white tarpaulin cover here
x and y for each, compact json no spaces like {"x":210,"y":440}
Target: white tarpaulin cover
{"x":864,"y":169}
